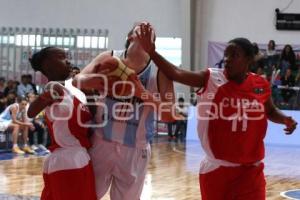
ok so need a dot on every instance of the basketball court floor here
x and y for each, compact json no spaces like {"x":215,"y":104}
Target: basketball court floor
{"x":172,"y":172}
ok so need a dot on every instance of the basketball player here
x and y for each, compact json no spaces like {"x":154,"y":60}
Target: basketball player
{"x":68,"y":172}
{"x":233,"y":108}
{"x":12,"y":118}
{"x":121,"y":150}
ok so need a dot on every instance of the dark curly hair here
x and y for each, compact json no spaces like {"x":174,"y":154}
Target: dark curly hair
{"x":246,"y":45}
{"x":38,"y":57}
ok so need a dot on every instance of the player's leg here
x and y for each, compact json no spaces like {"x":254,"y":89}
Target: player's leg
{"x":102,"y":164}
{"x":130,"y":174}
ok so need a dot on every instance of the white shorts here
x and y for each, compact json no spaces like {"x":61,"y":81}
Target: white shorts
{"x":66,"y":159}
{"x":4,"y":125}
{"x":122,"y":167}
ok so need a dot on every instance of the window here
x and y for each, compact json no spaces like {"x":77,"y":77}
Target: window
{"x":170,"y":48}
{"x":91,"y":42}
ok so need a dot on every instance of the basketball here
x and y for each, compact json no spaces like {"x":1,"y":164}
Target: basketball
{"x":120,"y":80}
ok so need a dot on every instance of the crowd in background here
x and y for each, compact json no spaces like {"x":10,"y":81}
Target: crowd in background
{"x":281,"y":68}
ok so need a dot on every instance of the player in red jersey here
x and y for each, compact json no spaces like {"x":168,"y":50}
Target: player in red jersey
{"x":233,"y":108}
{"x":68,"y":173}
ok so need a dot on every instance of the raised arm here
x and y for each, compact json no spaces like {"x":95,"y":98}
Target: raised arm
{"x":276,"y":116}
{"x":94,"y":75}
{"x":193,"y":79}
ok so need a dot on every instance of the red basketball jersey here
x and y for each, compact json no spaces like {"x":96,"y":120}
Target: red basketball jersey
{"x":232,"y":119}
{"x":67,"y":120}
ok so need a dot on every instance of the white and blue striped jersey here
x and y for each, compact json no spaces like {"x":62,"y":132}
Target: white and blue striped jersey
{"x":133,"y":123}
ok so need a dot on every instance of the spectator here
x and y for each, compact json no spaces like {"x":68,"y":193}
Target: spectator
{"x":287,"y":60}
{"x":2,"y":104}
{"x":29,"y":81}
{"x":39,"y":128}
{"x":10,"y":87}
{"x":10,"y":98}
{"x":2,"y":86}
{"x":258,"y":58}
{"x":260,"y":71}
{"x":182,"y":112}
{"x":297,"y":79}
{"x":12,"y":118}
{"x":24,"y":87}
{"x":289,"y":81}
{"x":271,"y":51}
{"x":272,"y":58}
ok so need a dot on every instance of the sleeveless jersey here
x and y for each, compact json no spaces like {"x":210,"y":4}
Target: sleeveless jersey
{"x":129,"y":121}
{"x":232,"y":122}
{"x":68,"y":119}
{"x":6,"y":114}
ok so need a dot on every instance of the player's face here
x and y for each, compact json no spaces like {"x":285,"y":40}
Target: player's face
{"x":58,"y":63}
{"x":235,"y":61}
{"x":23,"y":104}
{"x":31,"y":98}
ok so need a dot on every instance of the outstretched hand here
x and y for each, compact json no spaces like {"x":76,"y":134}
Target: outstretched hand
{"x":290,"y":124}
{"x":146,"y":38}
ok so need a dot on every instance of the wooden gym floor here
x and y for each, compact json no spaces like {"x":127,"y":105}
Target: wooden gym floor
{"x":172,"y":173}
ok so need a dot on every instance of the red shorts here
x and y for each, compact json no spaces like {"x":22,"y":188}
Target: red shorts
{"x":238,"y":183}
{"x":70,"y":184}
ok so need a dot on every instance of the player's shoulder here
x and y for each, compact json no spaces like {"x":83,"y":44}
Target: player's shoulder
{"x":258,"y":80}
{"x":215,"y":75}
{"x":215,"y":70}
{"x":106,"y":58}
{"x":56,"y":88}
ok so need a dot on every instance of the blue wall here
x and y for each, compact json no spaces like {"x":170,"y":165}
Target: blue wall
{"x":275,"y":132}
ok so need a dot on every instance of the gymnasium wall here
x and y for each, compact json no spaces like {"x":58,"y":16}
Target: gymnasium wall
{"x":275,"y":133}
{"x":115,"y":15}
{"x":220,"y":20}
{"x":169,"y":17}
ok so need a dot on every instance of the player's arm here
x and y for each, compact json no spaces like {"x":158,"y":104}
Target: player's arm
{"x":276,"y":116}
{"x":166,"y":91}
{"x":193,"y":79}
{"x":14,"y":111}
{"x":53,"y":93}
{"x":166,"y":88}
{"x":90,"y":68}
{"x":93,"y":76}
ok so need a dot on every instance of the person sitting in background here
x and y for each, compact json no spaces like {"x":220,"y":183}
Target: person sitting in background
{"x":29,"y":81}
{"x":297,"y":79}
{"x":24,"y":87}
{"x":12,"y":119}
{"x":10,"y":87}
{"x":2,"y":104}
{"x":39,"y":128}
{"x":258,"y":58}
{"x":287,"y":80}
{"x":271,"y":59}
{"x":2,"y":87}
{"x":260,"y":71}
{"x":271,"y":51}
{"x":11,"y":98}
{"x":287,"y":60}
{"x":181,"y":123}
